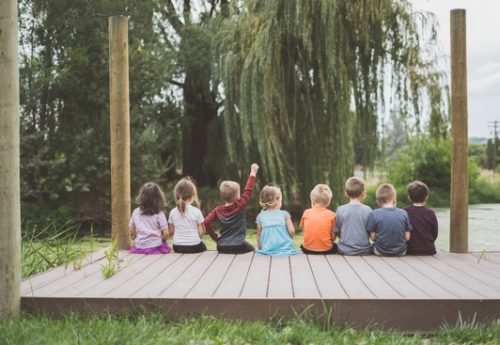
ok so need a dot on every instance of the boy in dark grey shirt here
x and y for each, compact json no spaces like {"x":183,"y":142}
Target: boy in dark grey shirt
{"x":350,"y":226}
{"x":389,"y":226}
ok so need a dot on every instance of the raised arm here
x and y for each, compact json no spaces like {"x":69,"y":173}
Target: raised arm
{"x":242,"y":202}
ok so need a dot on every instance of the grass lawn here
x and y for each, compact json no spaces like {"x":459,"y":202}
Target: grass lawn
{"x":155,"y":329}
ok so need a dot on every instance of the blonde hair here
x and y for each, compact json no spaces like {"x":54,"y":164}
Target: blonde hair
{"x":322,"y":194}
{"x":269,"y":197}
{"x":354,"y":187}
{"x":385,"y":193}
{"x":229,"y":191}
{"x":185,"y":190}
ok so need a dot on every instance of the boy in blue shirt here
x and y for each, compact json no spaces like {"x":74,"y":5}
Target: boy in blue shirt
{"x":389,"y":226}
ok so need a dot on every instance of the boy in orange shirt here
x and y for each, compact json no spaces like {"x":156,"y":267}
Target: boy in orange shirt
{"x":318,"y":223}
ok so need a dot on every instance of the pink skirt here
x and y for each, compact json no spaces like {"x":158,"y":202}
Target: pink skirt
{"x":163,"y":249}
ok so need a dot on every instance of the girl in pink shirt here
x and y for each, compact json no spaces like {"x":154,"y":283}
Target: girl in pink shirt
{"x":148,"y":223}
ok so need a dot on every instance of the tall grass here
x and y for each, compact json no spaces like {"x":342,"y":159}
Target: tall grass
{"x":54,"y":245}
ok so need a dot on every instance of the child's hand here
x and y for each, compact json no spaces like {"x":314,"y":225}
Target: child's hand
{"x":253,"y":169}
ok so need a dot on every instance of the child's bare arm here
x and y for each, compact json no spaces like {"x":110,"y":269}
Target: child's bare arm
{"x":201,"y":229}
{"x":164,"y":234}
{"x":372,"y":235}
{"x":407,"y":235}
{"x":171,"y":229}
{"x":290,"y":227}
{"x":259,"y":231}
{"x":334,"y":235}
{"x":133,"y":233}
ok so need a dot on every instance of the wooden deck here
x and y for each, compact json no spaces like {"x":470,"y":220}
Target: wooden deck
{"x":408,"y":293}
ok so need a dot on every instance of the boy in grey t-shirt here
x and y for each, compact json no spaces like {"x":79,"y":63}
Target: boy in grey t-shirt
{"x":389,"y":226}
{"x":350,"y":226}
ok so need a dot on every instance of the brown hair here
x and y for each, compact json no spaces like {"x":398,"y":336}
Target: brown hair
{"x":185,"y":190}
{"x":229,"y":191}
{"x":354,"y":187}
{"x":151,"y":199}
{"x":322,"y":194}
{"x":418,"y":191}
{"x":269,"y":197}
{"x":385,"y":193}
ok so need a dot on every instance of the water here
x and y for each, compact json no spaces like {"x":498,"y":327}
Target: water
{"x":484,"y":227}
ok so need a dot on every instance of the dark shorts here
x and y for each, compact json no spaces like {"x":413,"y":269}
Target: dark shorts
{"x":197,"y":248}
{"x":245,"y":247}
{"x":307,"y":251}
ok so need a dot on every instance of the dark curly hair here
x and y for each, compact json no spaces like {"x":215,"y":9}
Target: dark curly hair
{"x":151,"y":199}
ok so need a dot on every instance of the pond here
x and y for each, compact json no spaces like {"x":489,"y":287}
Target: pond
{"x":484,"y":227}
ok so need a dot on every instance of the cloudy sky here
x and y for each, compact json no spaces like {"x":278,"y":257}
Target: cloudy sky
{"x":483,"y":55}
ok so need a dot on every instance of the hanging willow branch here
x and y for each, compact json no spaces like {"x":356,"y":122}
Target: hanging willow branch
{"x":304,"y":81}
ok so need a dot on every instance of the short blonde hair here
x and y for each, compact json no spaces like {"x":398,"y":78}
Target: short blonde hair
{"x":269,"y":197}
{"x":385,"y":193}
{"x":229,"y":191}
{"x":354,"y":187}
{"x":322,"y":194}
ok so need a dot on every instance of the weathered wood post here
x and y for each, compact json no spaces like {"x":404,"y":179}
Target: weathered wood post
{"x":459,"y":209}
{"x":120,"y":130}
{"x":10,"y":210}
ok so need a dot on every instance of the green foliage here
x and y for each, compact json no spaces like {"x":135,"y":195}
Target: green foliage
{"x":112,"y":263}
{"x":157,"y":329}
{"x":52,"y":246}
{"x":292,"y":72}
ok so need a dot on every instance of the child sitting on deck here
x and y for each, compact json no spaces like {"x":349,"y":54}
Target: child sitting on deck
{"x":148,"y":222}
{"x":351,"y":220}
{"x":231,"y":216}
{"x":423,"y":220}
{"x":389,"y":226}
{"x":186,"y":221}
{"x":318,"y":223}
{"x":275,"y":229}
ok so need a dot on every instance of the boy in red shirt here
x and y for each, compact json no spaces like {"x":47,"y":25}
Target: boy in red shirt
{"x":231,"y":216}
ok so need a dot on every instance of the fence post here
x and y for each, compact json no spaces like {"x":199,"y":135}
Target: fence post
{"x":459,"y":209}
{"x":120,"y":130}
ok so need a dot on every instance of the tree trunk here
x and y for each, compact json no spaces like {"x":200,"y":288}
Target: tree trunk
{"x":200,"y":109}
{"x":10,"y":211}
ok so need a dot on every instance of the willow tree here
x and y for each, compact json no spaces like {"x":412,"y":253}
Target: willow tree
{"x":304,"y":82}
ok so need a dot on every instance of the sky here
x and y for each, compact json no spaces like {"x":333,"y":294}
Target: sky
{"x":483,"y":55}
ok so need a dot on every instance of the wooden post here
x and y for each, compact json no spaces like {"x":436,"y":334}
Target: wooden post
{"x":459,"y":211}
{"x":120,"y":130}
{"x":10,"y":209}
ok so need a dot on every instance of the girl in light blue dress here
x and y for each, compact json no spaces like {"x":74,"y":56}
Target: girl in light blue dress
{"x":275,"y":229}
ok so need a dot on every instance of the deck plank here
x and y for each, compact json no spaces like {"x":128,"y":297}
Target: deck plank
{"x":280,"y":280}
{"x":30,"y":284}
{"x":493,"y":257}
{"x":144,"y":277}
{"x":232,"y":283}
{"x":257,"y":279}
{"x":419,"y":280}
{"x":490,"y":284}
{"x":328,"y":284}
{"x":212,"y":277}
{"x":377,"y":285}
{"x":185,"y":282}
{"x":464,"y":276}
{"x":303,"y":282}
{"x":439,"y":278}
{"x":395,"y":279}
{"x":126,"y":274}
{"x":167,"y":277}
{"x":349,"y":279}
{"x":487,"y":267}
{"x":67,"y":283}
